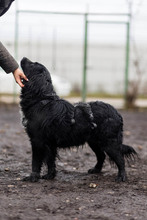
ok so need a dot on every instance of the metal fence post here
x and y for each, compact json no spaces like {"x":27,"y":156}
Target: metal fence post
{"x":127,"y":59}
{"x":15,"y":46}
{"x":84,"y":87}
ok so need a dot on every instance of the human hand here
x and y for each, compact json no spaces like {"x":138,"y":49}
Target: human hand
{"x":19,"y":75}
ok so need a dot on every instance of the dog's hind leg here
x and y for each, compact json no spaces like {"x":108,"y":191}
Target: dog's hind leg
{"x":100,"y":155}
{"x":38,"y":154}
{"x":114,"y":152}
{"x":50,"y":161}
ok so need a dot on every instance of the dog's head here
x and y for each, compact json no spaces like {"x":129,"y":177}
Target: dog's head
{"x":34,"y":69}
{"x":40,"y":82}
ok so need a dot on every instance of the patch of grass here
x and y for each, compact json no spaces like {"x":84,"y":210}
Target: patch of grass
{"x":97,"y":95}
{"x":103,"y":95}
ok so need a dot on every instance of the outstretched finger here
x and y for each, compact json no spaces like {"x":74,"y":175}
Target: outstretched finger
{"x":24,"y":77}
{"x":18,"y":80}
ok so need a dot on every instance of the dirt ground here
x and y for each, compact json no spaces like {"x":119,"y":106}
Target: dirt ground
{"x":73,"y":194}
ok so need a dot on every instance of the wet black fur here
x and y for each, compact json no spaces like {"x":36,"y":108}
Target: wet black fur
{"x":49,"y":123}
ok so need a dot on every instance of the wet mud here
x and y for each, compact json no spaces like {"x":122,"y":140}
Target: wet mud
{"x":73,"y":194}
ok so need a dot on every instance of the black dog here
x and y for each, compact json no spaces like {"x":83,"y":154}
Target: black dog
{"x":52,"y":123}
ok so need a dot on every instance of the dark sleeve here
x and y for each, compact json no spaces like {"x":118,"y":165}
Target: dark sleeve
{"x":7,"y":62}
{"x":4,"y":6}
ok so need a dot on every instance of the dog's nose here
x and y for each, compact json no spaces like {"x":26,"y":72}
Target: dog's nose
{"x":25,"y":60}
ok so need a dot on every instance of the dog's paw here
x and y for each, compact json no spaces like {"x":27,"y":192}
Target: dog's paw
{"x":34,"y":177}
{"x":94,"y":170}
{"x":49,"y":176}
{"x":121,"y":178}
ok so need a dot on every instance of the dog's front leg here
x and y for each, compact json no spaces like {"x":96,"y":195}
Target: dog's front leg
{"x":50,"y":159}
{"x":38,"y":153}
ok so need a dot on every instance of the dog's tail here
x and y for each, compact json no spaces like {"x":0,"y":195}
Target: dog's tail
{"x":128,"y":151}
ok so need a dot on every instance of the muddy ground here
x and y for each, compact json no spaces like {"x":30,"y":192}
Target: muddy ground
{"x":73,"y":194}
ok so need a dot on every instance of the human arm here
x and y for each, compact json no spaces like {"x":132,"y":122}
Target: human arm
{"x":9,"y":64}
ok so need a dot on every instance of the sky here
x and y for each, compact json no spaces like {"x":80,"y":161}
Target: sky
{"x":74,"y":24}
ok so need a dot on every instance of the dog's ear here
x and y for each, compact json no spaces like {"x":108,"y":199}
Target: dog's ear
{"x":45,"y":81}
{"x":47,"y":86}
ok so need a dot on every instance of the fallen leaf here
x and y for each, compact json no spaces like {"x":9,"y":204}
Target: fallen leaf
{"x":82,"y":207}
{"x":111,"y":193}
{"x":10,"y":186}
{"x":38,"y":209}
{"x":140,"y":147}
{"x":67,"y":200}
{"x":127,"y":133}
{"x":93,"y":185}
{"x":7,"y":169}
